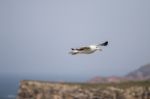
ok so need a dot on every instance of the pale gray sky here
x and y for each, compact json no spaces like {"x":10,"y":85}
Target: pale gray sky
{"x":36,"y":36}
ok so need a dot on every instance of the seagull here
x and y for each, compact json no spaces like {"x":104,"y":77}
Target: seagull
{"x":88,"y":49}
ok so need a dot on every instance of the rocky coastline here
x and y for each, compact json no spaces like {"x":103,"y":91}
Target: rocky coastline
{"x":53,"y":90}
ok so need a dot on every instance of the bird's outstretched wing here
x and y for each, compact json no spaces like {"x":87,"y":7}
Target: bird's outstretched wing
{"x":83,"y":48}
{"x":79,"y":50}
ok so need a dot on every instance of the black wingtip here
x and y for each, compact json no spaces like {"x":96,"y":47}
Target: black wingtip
{"x":105,"y":43}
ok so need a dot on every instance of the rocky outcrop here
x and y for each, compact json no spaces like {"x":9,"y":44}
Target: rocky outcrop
{"x":112,"y":79}
{"x":142,"y":73}
{"x":50,"y":90}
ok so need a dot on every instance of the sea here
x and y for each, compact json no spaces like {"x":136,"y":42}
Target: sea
{"x":9,"y":85}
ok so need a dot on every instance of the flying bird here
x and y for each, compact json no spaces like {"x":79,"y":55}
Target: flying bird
{"x":88,"y":49}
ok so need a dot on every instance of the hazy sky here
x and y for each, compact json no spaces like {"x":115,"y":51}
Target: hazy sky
{"x":36,"y":36}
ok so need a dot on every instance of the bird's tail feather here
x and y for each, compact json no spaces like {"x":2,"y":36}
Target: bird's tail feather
{"x":74,"y":52}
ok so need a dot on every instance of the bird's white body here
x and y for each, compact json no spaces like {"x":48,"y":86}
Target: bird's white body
{"x":87,"y":49}
{"x":92,"y":49}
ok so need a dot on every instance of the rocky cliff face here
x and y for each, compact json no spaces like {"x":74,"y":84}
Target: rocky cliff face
{"x":48,"y":90}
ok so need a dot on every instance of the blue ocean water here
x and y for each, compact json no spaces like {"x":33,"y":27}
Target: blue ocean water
{"x":8,"y":86}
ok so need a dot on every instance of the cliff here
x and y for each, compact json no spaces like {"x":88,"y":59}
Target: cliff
{"x":51,"y":90}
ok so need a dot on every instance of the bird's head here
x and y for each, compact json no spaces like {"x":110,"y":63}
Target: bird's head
{"x":94,"y":47}
{"x":98,"y":48}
